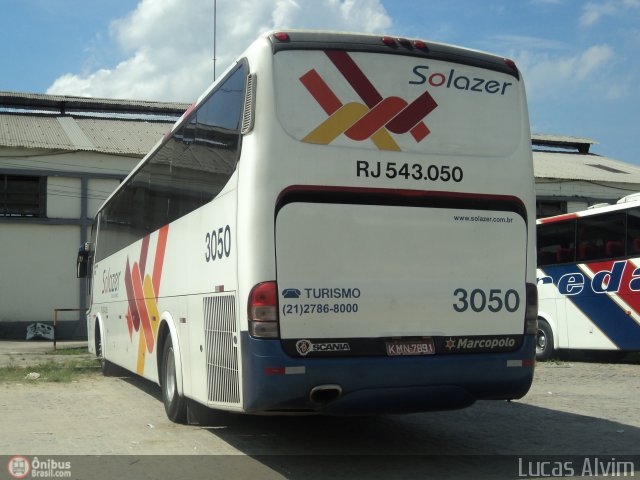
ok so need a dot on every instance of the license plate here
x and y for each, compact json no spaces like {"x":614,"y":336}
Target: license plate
{"x":410,"y":347}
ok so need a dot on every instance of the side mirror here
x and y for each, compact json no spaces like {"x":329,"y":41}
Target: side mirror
{"x":83,"y":261}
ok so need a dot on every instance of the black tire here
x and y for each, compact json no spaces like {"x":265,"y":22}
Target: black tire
{"x":174,"y":404}
{"x":544,"y":341}
{"x":108,"y":369}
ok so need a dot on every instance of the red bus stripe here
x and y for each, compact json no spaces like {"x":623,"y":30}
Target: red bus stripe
{"x":321,"y":92}
{"x":159,"y":261}
{"x":356,"y":77}
{"x":559,"y":218}
{"x":142,"y":307}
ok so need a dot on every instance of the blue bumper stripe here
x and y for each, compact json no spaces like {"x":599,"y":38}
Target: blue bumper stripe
{"x":378,"y":385}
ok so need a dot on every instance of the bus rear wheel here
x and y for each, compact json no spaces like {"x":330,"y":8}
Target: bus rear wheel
{"x":174,"y":404}
{"x":544,"y":341}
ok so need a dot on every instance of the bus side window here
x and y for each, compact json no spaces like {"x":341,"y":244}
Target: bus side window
{"x":565,"y":254}
{"x":556,"y":242}
{"x":604,"y":234}
{"x":633,"y":231}
{"x":614,"y":248}
{"x":545,"y":258}
{"x":218,"y":126}
{"x":587,"y":251}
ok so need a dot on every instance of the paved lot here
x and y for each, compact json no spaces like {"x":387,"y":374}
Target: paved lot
{"x":574,"y":408}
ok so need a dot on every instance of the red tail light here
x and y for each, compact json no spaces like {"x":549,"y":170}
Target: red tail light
{"x":389,"y":41}
{"x":511,"y":64}
{"x":419,"y":44}
{"x":281,"y":36}
{"x":263,"y":310}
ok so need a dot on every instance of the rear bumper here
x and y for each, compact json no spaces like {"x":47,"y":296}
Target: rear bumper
{"x":274,"y":381}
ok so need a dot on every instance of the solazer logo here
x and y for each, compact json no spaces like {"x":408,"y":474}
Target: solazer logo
{"x":110,"y":281}
{"x":374,"y":118}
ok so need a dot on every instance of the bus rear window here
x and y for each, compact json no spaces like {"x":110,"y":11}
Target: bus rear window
{"x":399,"y":103}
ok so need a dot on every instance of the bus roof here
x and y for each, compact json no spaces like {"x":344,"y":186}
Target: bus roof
{"x":624,"y":203}
{"x":389,"y":44}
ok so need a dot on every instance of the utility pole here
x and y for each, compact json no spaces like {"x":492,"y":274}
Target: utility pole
{"x":214,"y":40}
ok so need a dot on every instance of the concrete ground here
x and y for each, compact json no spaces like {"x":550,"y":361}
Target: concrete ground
{"x":116,"y":427}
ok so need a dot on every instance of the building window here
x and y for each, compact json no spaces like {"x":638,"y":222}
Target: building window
{"x":22,"y":196}
{"x":546,"y":208}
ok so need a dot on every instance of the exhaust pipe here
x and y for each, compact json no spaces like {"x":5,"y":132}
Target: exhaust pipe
{"x":325,"y":394}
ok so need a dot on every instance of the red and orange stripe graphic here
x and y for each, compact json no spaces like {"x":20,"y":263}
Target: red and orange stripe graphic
{"x":142,"y":295}
{"x":374,"y":118}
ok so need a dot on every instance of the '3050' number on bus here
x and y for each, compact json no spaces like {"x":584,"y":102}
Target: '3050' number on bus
{"x":478,"y":300}
{"x":217,"y":244}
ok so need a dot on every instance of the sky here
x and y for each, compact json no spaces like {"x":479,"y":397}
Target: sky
{"x":579,"y":59}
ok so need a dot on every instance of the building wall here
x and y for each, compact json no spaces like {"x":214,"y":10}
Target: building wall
{"x":39,"y":253}
{"x":576,"y":195}
{"x":38,"y":272}
{"x":580,"y":190}
{"x":66,"y":161}
{"x":98,"y":191}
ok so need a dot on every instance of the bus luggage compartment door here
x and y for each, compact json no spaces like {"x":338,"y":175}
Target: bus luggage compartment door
{"x":348,"y":271}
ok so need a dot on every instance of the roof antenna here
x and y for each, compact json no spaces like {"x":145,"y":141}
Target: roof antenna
{"x":214,"y":40}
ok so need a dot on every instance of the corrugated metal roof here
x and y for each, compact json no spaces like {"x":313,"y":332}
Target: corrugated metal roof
{"x":137,"y":137}
{"x":64,"y":103}
{"x":123,"y":136}
{"x":547,"y":139}
{"x":114,"y":136}
{"x":542,"y":141}
{"x":575,"y":166}
{"x":75,"y":133}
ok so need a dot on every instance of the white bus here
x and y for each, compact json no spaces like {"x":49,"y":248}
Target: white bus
{"x":589,"y":280}
{"x":341,"y":224}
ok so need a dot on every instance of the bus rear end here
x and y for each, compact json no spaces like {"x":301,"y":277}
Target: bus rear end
{"x":398,"y":187}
